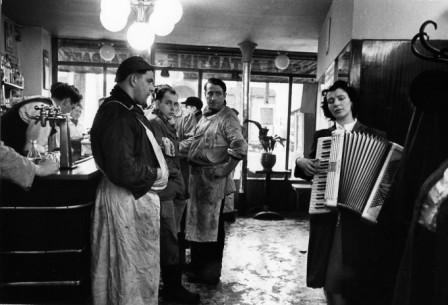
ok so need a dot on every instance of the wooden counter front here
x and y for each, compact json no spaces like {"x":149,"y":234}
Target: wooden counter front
{"x":66,"y":187}
{"x":44,"y":232}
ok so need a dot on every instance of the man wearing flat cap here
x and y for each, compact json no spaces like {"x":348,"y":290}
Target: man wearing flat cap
{"x":194,"y":104}
{"x":125,"y":238}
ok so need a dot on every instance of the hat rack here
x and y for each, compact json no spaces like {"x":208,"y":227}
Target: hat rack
{"x":431,"y":53}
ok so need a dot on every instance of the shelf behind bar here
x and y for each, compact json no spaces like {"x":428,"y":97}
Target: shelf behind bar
{"x":13,"y":86}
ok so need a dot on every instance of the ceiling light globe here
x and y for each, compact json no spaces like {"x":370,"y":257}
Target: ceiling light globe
{"x":282,"y":61}
{"x":161,"y":26}
{"x":107,"y":52}
{"x":140,"y":36}
{"x":113,"y":21}
{"x":170,"y":9}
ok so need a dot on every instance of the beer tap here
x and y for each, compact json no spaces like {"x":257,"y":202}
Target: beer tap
{"x":53,"y":115}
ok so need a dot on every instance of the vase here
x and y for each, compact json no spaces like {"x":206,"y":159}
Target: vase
{"x":268,"y":161}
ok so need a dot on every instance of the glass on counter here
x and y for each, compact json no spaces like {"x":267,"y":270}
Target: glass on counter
{"x":54,"y":156}
{"x":33,"y":153}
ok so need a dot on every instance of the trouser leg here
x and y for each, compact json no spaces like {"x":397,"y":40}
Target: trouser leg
{"x":206,"y":257}
{"x":169,"y":258}
{"x":169,"y":248}
{"x":179,"y":215}
{"x":179,"y":210}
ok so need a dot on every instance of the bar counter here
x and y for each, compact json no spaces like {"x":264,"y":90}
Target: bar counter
{"x":44,"y":232}
{"x":85,"y":169}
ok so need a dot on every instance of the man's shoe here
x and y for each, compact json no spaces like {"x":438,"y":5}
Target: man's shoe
{"x":181,"y":295}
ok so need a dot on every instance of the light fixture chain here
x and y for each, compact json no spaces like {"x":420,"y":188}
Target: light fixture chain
{"x":142,"y":8}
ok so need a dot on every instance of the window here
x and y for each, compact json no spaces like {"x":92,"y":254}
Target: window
{"x":184,"y":82}
{"x":296,"y":134}
{"x":275,"y":100}
{"x":89,"y":82}
{"x":268,"y":105}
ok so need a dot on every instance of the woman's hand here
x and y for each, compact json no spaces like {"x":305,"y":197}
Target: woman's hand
{"x":308,"y":166}
{"x":47,"y":167}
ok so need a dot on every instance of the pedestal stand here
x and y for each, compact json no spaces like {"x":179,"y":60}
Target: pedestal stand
{"x":266,"y":214}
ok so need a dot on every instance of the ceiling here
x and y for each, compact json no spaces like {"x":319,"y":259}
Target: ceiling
{"x":280,"y":25}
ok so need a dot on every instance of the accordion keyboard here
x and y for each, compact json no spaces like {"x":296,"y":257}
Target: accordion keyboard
{"x":317,"y":201}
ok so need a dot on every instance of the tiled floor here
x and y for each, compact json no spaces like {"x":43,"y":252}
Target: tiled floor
{"x":264,"y":263}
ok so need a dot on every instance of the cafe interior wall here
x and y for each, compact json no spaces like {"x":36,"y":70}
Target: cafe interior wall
{"x":380,"y":19}
{"x":2,"y":31}
{"x":28,"y":46}
{"x":379,"y":62}
{"x":30,"y":52}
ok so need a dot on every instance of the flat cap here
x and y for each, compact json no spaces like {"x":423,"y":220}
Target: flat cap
{"x":193,"y":101}
{"x":131,"y":65}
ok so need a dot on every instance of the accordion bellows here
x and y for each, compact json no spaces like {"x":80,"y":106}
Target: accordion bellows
{"x":352,"y":169}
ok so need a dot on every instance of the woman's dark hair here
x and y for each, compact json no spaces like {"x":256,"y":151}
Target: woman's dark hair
{"x":351,"y":92}
{"x":63,"y":90}
{"x":216,"y":82}
{"x":160,"y":90}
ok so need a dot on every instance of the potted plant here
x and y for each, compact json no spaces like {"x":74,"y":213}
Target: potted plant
{"x":268,"y":143}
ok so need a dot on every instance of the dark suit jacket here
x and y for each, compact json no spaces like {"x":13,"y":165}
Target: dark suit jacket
{"x":322,"y":228}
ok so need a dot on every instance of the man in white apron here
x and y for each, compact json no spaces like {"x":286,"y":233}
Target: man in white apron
{"x":217,"y":147}
{"x":125,"y":234}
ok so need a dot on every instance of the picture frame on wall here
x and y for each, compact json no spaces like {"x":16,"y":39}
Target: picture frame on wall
{"x":9,"y":37}
{"x":46,"y":70}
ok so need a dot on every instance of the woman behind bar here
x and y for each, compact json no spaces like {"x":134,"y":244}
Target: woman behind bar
{"x":337,"y":238}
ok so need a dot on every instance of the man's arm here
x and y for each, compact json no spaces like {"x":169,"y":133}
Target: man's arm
{"x":237,"y":147}
{"x":228,"y":168}
{"x":115,"y":144}
{"x":187,"y":137}
{"x":21,"y":171}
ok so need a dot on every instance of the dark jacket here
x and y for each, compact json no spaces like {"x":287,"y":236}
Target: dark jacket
{"x":120,"y":145}
{"x":162,"y":128}
{"x":322,"y":227}
{"x":423,"y":274}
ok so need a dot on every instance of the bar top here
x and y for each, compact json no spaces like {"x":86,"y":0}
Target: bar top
{"x":84,"y":170}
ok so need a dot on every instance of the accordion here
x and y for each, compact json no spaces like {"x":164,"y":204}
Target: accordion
{"x":351,"y":169}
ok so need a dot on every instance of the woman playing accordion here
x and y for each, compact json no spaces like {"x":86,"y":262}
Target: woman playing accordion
{"x":337,"y":239}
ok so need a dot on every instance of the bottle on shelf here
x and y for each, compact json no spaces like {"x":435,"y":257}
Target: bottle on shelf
{"x":7,"y":67}
{"x":19,"y":79}
{"x":2,"y":67}
{"x":2,"y":99}
{"x":86,"y":148}
{"x":33,"y":153}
